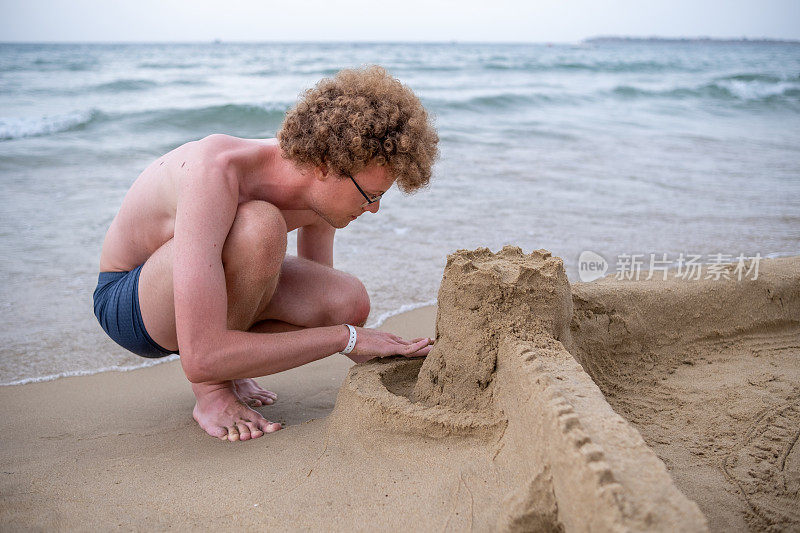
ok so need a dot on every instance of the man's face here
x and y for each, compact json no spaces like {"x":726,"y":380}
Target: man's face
{"x":339,"y":201}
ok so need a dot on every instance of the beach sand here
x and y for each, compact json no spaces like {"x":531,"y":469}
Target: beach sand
{"x":641,"y":405}
{"x":120,"y":449}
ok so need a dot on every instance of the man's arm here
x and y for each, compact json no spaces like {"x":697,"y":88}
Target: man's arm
{"x":206,"y":207}
{"x":315,"y":242}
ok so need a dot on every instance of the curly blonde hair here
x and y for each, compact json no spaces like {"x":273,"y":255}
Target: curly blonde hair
{"x":359,"y":117}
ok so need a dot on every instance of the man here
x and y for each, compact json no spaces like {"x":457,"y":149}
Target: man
{"x":195,"y":261}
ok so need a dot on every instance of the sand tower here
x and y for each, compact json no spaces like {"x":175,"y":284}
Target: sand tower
{"x":483,"y":298}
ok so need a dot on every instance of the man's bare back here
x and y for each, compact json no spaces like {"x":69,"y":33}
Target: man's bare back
{"x":195,"y":261}
{"x":146,"y":219}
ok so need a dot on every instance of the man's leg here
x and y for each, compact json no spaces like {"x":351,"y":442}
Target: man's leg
{"x":302,"y":294}
{"x":252,"y":256}
{"x":313,"y":295}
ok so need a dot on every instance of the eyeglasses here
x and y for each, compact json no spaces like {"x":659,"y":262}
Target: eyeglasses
{"x":367,"y":198}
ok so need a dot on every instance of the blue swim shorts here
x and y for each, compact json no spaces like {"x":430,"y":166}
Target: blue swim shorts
{"x":116,"y":306}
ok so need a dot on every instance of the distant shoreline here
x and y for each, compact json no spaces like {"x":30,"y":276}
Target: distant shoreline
{"x":672,"y":40}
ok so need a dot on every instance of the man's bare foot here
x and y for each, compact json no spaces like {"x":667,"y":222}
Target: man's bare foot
{"x":221,"y":413}
{"x":253,"y":394}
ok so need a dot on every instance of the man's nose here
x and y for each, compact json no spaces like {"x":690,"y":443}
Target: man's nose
{"x":373,"y":207}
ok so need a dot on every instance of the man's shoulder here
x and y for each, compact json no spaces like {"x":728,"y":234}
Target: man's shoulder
{"x":222,"y":141}
{"x":231,"y":156}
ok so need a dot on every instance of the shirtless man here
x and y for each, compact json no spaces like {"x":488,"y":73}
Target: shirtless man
{"x":195,"y":261}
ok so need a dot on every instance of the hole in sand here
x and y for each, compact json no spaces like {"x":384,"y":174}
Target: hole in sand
{"x":402,"y":377}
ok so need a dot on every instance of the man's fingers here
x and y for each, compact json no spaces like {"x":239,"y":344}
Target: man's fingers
{"x":404,"y":341}
{"x":416,"y":346}
{"x":422,"y":352}
{"x":384,"y":344}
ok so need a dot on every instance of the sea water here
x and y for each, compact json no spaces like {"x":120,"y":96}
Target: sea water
{"x":617,"y":147}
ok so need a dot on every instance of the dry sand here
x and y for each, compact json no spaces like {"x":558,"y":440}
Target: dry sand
{"x":638,"y":406}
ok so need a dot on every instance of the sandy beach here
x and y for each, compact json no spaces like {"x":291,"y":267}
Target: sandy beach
{"x":626,"y":405}
{"x":120,"y":449}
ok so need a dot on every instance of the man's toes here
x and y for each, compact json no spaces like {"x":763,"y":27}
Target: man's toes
{"x":255,"y":431}
{"x":244,"y":431}
{"x":233,"y":433}
{"x":218,"y":432}
{"x":255,"y":402}
{"x":270,"y":427}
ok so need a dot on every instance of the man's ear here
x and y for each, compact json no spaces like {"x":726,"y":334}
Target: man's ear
{"x":321,"y":172}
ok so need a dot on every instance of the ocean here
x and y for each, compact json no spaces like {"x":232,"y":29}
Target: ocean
{"x":619,"y":148}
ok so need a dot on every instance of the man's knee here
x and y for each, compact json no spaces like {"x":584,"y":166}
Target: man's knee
{"x":350,"y":305}
{"x":257,"y":239}
{"x":360,"y":304}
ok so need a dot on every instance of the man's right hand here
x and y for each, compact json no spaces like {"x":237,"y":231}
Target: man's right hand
{"x":372,"y":343}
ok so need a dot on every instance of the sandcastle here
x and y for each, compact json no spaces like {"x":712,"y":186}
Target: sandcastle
{"x":549,"y":384}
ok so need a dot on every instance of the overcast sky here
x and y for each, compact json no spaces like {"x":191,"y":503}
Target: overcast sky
{"x":404,"y":20}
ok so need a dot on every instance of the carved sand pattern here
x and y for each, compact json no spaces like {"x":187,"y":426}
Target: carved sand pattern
{"x":758,"y":465}
{"x":719,"y":357}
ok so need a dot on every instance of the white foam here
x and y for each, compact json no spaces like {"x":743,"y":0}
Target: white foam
{"x":19,"y":127}
{"x":74,"y":373}
{"x":776,"y":255}
{"x":403,"y":309}
{"x":757,"y":90}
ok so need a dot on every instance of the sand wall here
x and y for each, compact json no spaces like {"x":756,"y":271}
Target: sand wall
{"x":634,"y":319}
{"x":604,"y":476}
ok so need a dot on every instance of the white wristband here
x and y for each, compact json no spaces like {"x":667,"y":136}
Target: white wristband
{"x":352,"y":342}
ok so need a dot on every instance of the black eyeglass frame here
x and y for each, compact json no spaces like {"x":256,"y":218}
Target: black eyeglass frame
{"x":367,"y":198}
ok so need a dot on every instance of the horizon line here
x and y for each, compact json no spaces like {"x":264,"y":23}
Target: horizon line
{"x":419,"y":41}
